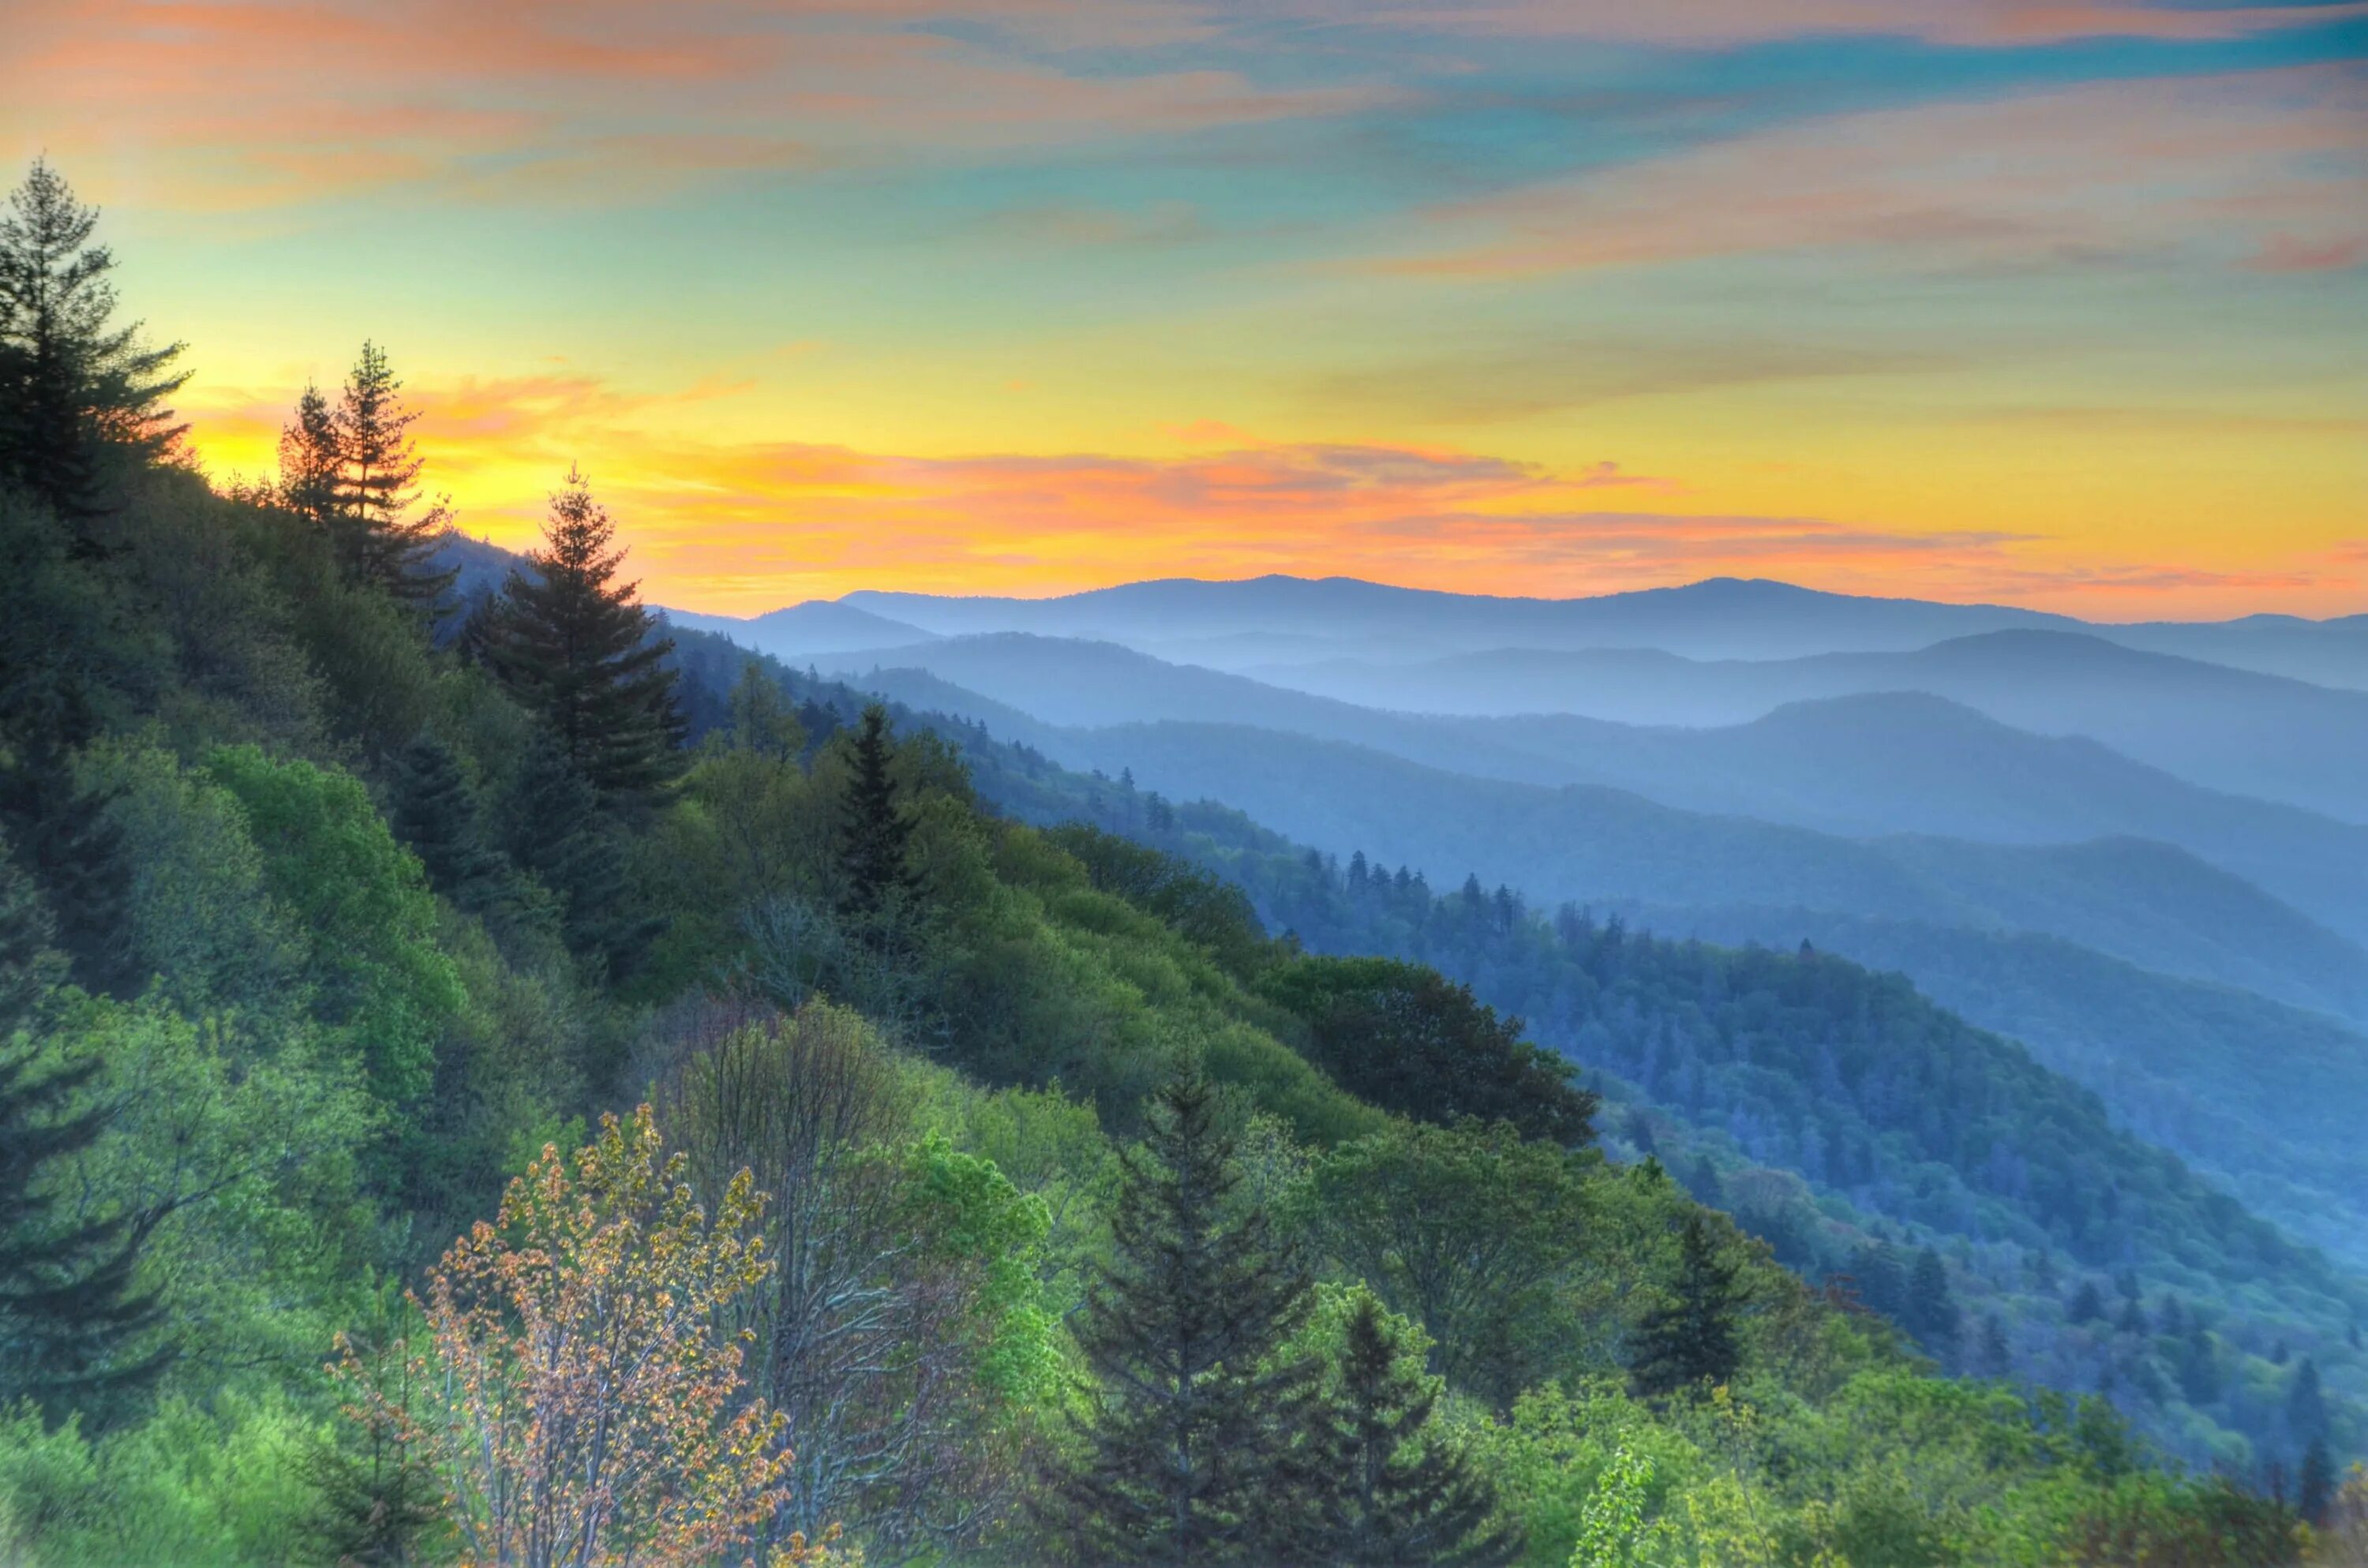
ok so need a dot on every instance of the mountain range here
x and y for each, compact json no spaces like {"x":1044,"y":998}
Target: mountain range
{"x":1282,"y":620}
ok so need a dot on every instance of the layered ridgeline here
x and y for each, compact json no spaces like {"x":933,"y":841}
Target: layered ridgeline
{"x":1885,"y":761}
{"x":2251,"y":1074}
{"x":327,"y":909}
{"x":1848,"y":1120}
{"x":1279,"y":621}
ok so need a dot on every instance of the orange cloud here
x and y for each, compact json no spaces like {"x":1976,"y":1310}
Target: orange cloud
{"x":744,"y":527}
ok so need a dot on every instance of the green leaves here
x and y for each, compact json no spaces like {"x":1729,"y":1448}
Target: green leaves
{"x":364,"y":909}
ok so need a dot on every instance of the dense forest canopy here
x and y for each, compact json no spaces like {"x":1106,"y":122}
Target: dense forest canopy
{"x":482,"y":1080}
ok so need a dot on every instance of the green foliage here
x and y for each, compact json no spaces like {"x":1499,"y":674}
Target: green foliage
{"x":1412,"y":1041}
{"x":70,"y":1309}
{"x":434,"y":813}
{"x":363,"y":906}
{"x":326,"y":1053}
{"x":1470,"y":1230}
{"x":874,"y":834}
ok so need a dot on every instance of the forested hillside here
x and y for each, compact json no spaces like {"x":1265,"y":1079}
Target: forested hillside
{"x":483,"y":1081}
{"x":1846,"y":1113}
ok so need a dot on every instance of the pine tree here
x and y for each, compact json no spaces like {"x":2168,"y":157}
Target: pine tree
{"x":874,"y":834}
{"x":381,"y":532}
{"x":71,"y":385}
{"x":1185,"y":1456}
{"x":2087,"y":1303}
{"x":553,"y":829}
{"x":434,"y":811}
{"x":575,"y":646}
{"x":309,"y":464}
{"x":1691,"y":1340}
{"x":69,"y":1308}
{"x":1388,"y":1491}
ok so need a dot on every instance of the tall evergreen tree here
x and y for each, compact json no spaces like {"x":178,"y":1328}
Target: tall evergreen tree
{"x":553,"y":829}
{"x":874,"y":832}
{"x":575,"y":646}
{"x":434,"y":811}
{"x":69,"y":1304}
{"x":1691,"y":1339}
{"x":310,"y":463}
{"x":1387,"y":1489}
{"x":382,"y":532}
{"x":72,"y":385}
{"x":1186,"y":1457}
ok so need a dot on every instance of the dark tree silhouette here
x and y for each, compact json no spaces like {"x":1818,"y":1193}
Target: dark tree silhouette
{"x":310,"y":463}
{"x":553,"y":829}
{"x":434,"y":811}
{"x":72,"y":385}
{"x":383,"y":534}
{"x":574,"y":645}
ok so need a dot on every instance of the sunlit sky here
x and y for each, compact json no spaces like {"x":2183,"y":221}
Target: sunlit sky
{"x":2057,"y":303}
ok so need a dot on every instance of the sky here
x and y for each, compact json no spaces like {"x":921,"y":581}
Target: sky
{"x":2055,"y":302}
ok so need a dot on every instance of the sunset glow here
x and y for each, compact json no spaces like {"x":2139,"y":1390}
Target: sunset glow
{"x":2058,"y":305}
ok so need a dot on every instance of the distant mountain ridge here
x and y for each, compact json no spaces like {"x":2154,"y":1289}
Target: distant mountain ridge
{"x":1719,"y":618}
{"x":1277,"y":619}
{"x":2265,"y":735}
{"x":1875,"y":763}
{"x":796,"y":634}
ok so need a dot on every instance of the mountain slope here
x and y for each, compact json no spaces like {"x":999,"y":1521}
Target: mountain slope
{"x":2264,"y":1097}
{"x":1908,"y":763}
{"x":1799,"y":1067}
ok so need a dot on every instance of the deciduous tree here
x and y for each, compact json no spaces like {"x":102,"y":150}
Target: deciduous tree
{"x":581,"y":1406}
